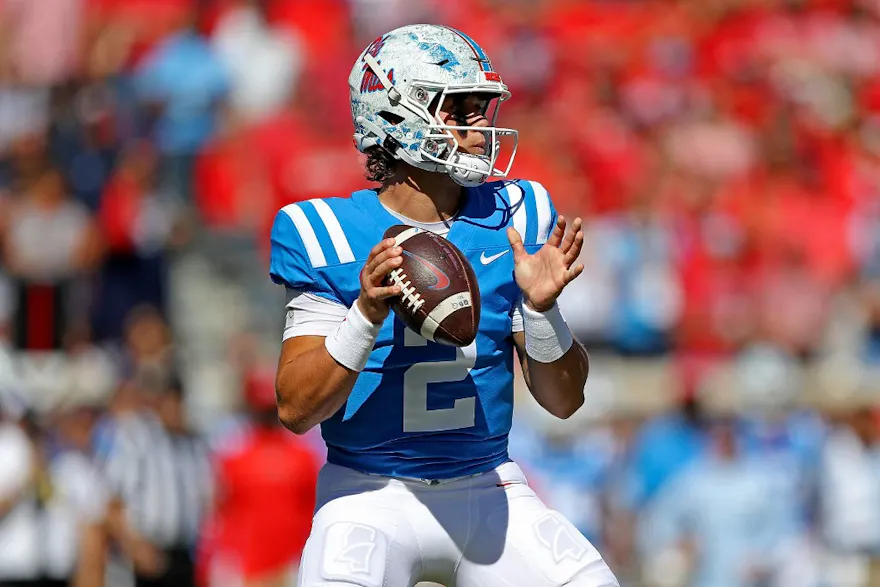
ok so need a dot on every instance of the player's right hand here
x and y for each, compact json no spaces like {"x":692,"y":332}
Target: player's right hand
{"x":373,"y":299}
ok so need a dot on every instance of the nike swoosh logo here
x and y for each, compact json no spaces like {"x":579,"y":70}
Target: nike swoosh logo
{"x":486,"y":260}
{"x":442,"y":279}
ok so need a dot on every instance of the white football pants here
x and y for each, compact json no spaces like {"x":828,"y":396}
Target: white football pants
{"x":489,"y":530}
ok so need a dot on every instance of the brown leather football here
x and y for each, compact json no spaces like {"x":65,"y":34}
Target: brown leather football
{"x":440,"y":298}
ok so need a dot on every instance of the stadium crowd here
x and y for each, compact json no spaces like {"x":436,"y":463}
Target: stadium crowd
{"x":725,"y":155}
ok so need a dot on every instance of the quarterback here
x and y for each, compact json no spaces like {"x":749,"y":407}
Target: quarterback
{"x":419,"y":485}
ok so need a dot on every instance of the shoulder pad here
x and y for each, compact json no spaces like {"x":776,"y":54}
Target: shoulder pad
{"x":531,"y":209}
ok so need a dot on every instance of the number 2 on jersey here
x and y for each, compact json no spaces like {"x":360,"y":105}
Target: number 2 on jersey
{"x":416,"y":415}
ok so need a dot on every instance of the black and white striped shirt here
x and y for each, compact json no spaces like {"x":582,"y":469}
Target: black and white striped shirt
{"x":163,"y":478}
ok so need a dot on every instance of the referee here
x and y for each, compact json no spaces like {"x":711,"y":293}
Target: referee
{"x":159,"y":475}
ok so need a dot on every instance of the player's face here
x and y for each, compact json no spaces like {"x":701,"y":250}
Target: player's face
{"x":468,"y":110}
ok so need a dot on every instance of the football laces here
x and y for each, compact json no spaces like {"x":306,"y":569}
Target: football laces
{"x":407,"y":292}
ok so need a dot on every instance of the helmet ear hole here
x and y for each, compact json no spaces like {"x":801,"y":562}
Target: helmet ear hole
{"x":390,"y":117}
{"x":391,"y":144}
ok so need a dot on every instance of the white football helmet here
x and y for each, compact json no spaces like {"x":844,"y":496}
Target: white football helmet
{"x":398,"y":85}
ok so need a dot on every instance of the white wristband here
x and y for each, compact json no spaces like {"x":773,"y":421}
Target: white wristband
{"x":547,"y":334}
{"x":352,"y":342}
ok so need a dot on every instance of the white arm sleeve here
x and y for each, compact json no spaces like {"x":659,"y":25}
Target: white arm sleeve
{"x":517,"y":317}
{"x":311,"y":315}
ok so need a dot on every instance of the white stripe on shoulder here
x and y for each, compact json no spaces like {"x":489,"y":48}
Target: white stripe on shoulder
{"x":307,"y":234}
{"x":516,"y":196}
{"x":542,"y":202}
{"x":331,"y":223}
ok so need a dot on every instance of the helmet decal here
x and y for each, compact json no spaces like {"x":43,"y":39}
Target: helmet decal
{"x":370,"y":82}
{"x":441,"y":56}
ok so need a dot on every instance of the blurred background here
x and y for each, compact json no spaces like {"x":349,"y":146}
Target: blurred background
{"x":725,"y":155}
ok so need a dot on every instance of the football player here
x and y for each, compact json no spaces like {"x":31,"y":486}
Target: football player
{"x":419,"y":484}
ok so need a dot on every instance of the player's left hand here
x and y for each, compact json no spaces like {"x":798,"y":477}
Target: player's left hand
{"x":543,"y":275}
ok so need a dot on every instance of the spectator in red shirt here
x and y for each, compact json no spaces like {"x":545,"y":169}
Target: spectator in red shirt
{"x":266,"y":481}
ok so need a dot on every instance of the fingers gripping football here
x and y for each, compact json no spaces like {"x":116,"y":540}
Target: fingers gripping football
{"x":373,"y":298}
{"x":382,"y":264}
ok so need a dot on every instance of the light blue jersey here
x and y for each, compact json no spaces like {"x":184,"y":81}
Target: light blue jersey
{"x":419,"y":409}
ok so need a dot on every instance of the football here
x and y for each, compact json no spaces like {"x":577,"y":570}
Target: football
{"x":440,"y":298}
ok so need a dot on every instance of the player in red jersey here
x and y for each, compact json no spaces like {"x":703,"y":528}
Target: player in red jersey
{"x":266,"y":481}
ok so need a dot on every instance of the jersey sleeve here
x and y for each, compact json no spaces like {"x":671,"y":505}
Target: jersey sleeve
{"x":311,"y":315}
{"x":533,"y":214}
{"x":294,"y":254}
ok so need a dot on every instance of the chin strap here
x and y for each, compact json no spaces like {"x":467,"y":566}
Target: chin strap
{"x":394,"y":94}
{"x":478,"y":170}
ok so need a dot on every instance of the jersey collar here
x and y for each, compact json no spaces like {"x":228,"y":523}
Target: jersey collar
{"x":473,"y":209}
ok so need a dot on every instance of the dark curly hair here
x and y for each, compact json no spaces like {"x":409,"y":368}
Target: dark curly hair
{"x":380,"y":165}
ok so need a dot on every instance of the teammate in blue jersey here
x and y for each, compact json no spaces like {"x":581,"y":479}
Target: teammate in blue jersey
{"x":419,"y":485}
